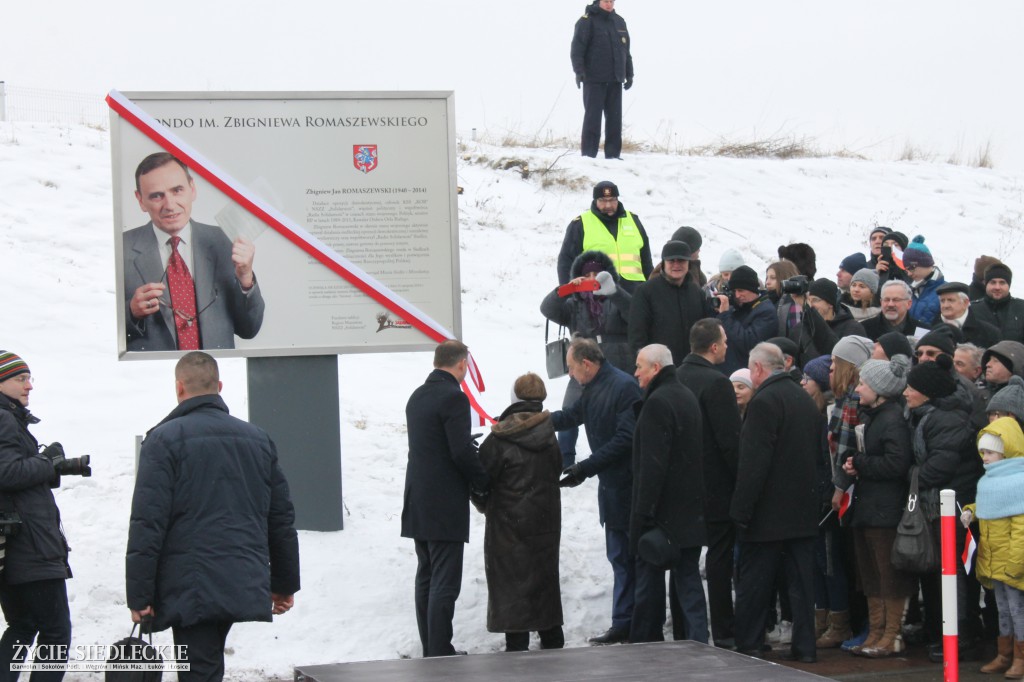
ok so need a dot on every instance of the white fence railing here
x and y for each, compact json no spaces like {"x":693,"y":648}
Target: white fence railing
{"x":52,"y":106}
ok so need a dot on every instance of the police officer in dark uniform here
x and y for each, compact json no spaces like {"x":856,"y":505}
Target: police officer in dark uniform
{"x":603,"y":66}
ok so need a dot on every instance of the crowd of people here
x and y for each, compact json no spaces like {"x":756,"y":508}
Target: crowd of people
{"x":778,"y":419}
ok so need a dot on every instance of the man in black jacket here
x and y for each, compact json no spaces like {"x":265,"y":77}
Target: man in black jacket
{"x":775,"y":504}
{"x":668,"y":493}
{"x":998,"y":307}
{"x":212,"y":540}
{"x":603,"y":66}
{"x":33,"y":592}
{"x":721,"y":429}
{"x":666,"y":306}
{"x":606,"y":410}
{"x":444,"y":468}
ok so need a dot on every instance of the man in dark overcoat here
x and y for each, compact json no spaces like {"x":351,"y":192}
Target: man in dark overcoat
{"x":212,"y":539}
{"x":721,"y":429}
{"x":666,"y":306}
{"x":444,"y":468}
{"x":775,"y":504}
{"x":606,"y":410}
{"x":668,"y":493}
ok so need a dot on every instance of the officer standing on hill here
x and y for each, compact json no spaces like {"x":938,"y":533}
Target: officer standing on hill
{"x":603,"y":66}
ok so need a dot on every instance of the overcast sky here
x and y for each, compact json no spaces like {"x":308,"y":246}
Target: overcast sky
{"x":870,"y":76}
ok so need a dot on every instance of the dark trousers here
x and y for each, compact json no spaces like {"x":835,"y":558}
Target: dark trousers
{"x":718,"y":566}
{"x":552,"y":638}
{"x":759,"y":565}
{"x":438,"y":583}
{"x":616,"y":544}
{"x":649,"y":611}
{"x":598,"y":99}
{"x":205,"y":652}
{"x":34,"y":611}
{"x":968,"y":592}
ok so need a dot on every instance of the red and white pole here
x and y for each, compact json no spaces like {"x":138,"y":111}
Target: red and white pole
{"x":950,"y":650}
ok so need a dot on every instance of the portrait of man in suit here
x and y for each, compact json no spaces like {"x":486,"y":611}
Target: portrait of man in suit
{"x":187,"y":286}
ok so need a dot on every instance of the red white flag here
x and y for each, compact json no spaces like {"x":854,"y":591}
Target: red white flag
{"x":844,"y":504}
{"x":970,"y":547}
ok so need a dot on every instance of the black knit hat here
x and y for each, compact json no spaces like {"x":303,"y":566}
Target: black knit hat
{"x":999,"y":271}
{"x":933,"y":378}
{"x":826,"y":290}
{"x":942,"y":337}
{"x":899,"y":238}
{"x":895,"y":343}
{"x":744,"y":278}
{"x":605,"y":189}
{"x":787,"y":345}
{"x":689,"y":235}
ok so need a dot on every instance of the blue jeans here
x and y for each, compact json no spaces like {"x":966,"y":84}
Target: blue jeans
{"x":616,"y":544}
{"x":31,"y":609}
{"x":1010,"y":602}
{"x":649,"y":612}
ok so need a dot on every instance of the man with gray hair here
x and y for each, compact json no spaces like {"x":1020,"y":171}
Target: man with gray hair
{"x":955,"y":309}
{"x":666,"y":528}
{"x":896,"y":297}
{"x":775,"y":504}
{"x":606,"y":409}
{"x":967,"y":362}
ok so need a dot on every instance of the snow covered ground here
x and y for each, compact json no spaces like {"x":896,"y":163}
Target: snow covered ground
{"x":57,"y":275}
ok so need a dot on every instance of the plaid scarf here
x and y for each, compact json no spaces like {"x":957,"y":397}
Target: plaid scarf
{"x":794,"y":316}
{"x":842,"y":439}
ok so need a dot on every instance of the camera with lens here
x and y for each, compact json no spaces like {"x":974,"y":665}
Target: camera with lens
{"x":75,"y":466}
{"x":796,"y":286}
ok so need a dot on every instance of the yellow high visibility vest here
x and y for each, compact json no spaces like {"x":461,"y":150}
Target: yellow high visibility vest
{"x":624,"y":249}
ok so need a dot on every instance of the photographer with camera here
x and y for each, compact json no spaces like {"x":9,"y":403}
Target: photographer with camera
{"x":33,"y":594}
{"x":824,"y":320}
{"x":747,"y":315}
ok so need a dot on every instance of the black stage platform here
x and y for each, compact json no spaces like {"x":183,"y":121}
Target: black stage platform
{"x":625,"y":663}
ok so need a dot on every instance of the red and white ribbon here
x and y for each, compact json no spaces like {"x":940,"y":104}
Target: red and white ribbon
{"x":294,"y":232}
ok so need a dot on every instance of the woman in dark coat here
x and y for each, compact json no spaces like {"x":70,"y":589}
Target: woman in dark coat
{"x":602,"y":315}
{"x":523,"y":522}
{"x":880,"y":470}
{"x":945,"y":455}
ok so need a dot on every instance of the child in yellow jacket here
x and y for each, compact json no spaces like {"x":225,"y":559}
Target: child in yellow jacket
{"x":999,"y":507}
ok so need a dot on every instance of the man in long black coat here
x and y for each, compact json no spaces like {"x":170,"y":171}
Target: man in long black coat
{"x":668,"y":493}
{"x":603,"y":65}
{"x":775,"y":504}
{"x":212,"y":539}
{"x":721,"y":429}
{"x":443,"y":469}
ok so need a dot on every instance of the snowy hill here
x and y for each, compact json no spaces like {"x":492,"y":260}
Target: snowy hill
{"x":57,"y":272}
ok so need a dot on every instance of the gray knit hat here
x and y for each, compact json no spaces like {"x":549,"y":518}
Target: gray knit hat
{"x":1009,"y":398}
{"x":854,"y":349}
{"x":887,"y":378}
{"x":868,"y":277}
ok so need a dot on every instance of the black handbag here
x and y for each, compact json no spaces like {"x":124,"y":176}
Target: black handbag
{"x":914,"y":549}
{"x":555,"y":351}
{"x":133,"y":659}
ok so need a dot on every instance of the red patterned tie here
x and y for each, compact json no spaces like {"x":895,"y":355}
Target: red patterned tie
{"x":183,"y":299}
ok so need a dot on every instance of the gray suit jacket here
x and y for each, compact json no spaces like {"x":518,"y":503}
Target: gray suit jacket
{"x":226,"y":311}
